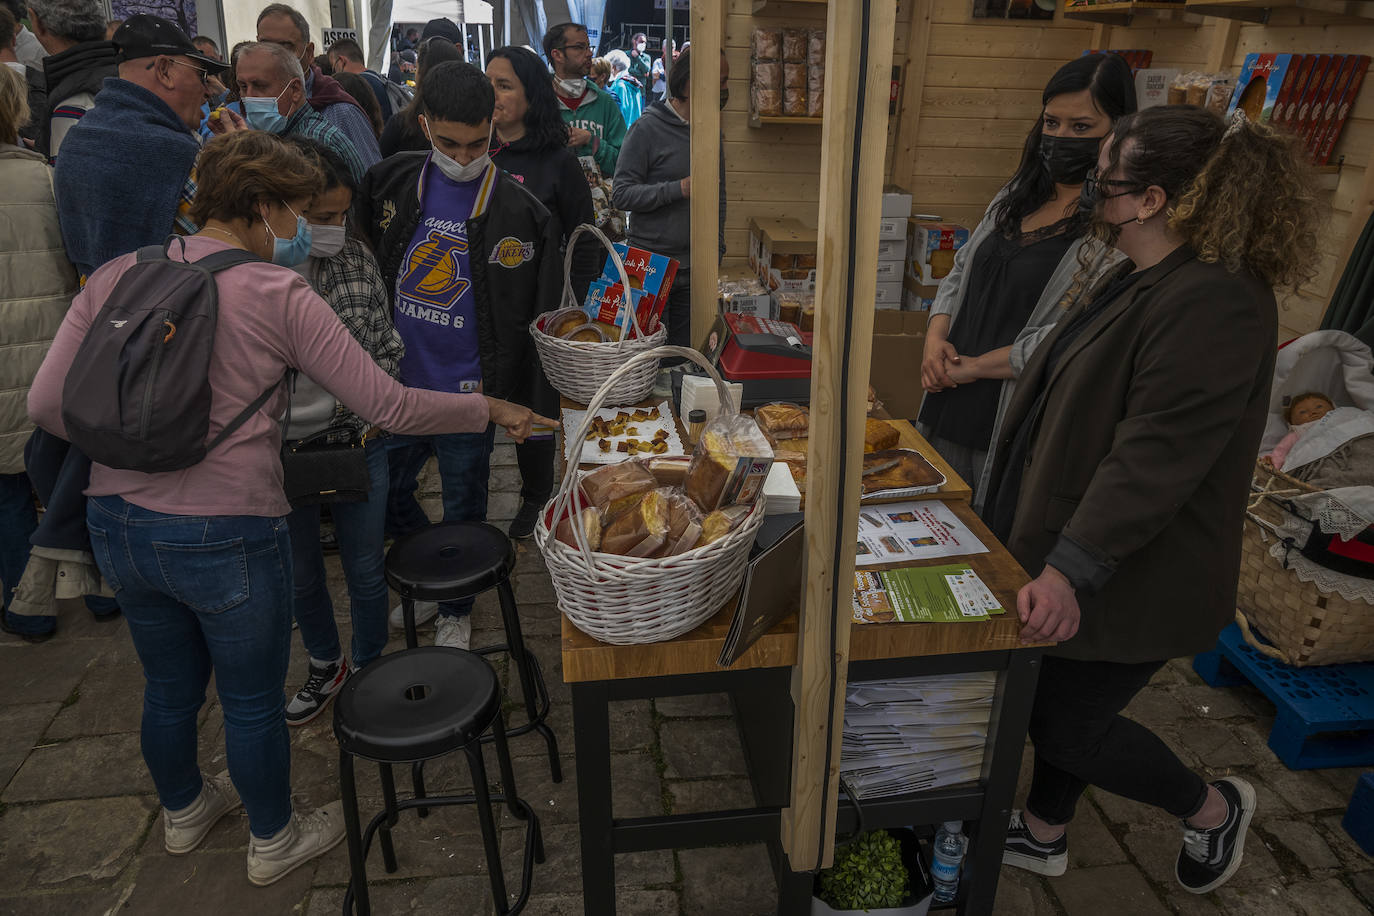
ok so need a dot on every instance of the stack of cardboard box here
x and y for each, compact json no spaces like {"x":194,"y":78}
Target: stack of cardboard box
{"x":931,"y":246}
{"x":896,"y":209}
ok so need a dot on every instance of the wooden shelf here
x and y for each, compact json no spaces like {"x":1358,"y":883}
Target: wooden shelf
{"x":1124,"y":14}
{"x":1259,"y":10}
{"x":765,"y":121}
{"x":761,"y":5}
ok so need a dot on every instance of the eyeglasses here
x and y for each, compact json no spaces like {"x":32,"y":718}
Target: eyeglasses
{"x":584,"y":46}
{"x":1104,"y":185}
{"x":204,"y":74}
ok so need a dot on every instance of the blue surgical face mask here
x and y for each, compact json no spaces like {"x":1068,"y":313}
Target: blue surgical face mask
{"x":292,"y":251}
{"x":263,"y":114}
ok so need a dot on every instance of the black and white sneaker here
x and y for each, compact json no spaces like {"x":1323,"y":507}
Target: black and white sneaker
{"x":324,"y":681}
{"x":1023,"y":850}
{"x":1210,"y":857}
{"x":525,"y":520}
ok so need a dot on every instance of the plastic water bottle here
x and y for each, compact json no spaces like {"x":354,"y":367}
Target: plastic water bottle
{"x":950,"y":846}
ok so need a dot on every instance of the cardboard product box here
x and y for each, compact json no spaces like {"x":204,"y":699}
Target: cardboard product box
{"x":930,"y":249}
{"x":888,"y":295}
{"x":914,"y":302}
{"x":1152,"y":87}
{"x":1257,"y":88}
{"x":1330,"y":82}
{"x":651,"y":279}
{"x":1347,"y":101}
{"x":786,"y":254}
{"x":891,"y":271}
{"x":741,"y":292}
{"x":1294,"y":82}
{"x":888,"y":321}
{"x":898,"y":345}
{"x":892,"y":227}
{"x":1310,"y":102}
{"x":896,"y":202}
{"x":604,"y":300}
{"x":892,"y":249}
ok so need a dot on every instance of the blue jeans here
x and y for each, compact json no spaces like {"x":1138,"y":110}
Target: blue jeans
{"x":464,"y":469}
{"x":362,"y":553}
{"x":206,"y":594}
{"x":18,"y":519}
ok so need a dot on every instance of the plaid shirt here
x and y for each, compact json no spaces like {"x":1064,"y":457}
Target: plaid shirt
{"x":309,"y":123}
{"x":352,"y":285}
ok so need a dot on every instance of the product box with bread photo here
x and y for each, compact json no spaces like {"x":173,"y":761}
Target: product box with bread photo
{"x":930,"y":249}
{"x":1257,"y":89}
{"x":784,"y":254}
{"x":651,"y":279}
{"x":1343,"y":107}
{"x":1315,"y":112}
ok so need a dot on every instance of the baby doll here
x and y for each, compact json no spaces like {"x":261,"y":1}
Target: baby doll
{"x":1301,"y":412}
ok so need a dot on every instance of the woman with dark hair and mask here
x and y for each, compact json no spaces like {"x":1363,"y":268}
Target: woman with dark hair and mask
{"x":1143,"y":410}
{"x":533,"y":149}
{"x":402,"y":131}
{"x":1017,"y":266}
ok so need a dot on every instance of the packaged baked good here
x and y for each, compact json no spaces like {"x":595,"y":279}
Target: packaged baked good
{"x":591,"y":332}
{"x":767,"y":102}
{"x":767,"y":44}
{"x":793,"y":75}
{"x":794,"y":44}
{"x":720,"y":523}
{"x":815,"y":91}
{"x":767,"y":74}
{"x":639,"y":531}
{"x":589,"y":520}
{"x":782,"y":420}
{"x":669,"y":471}
{"x":1219,"y":95}
{"x":562,"y":322}
{"x":898,"y":469}
{"x":612,"y":488}
{"x":684,"y":523}
{"x":794,"y":103}
{"x":815,"y":48}
{"x":1178,"y":89}
{"x":730,"y":463}
{"x":879,"y":435}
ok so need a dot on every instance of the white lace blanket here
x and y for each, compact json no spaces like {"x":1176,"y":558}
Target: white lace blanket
{"x":1344,"y":511}
{"x":1351,"y":588}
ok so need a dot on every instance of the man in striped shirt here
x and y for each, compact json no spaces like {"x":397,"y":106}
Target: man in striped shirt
{"x":79,"y":59}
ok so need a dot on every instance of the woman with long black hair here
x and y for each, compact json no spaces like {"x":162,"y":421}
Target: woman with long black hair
{"x":1005,"y":289}
{"x":531,"y":144}
{"x":402,"y":131}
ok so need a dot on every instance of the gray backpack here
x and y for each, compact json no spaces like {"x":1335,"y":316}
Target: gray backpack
{"x":138,"y":394}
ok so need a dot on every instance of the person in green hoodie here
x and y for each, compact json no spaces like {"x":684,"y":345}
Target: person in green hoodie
{"x":596,"y":127}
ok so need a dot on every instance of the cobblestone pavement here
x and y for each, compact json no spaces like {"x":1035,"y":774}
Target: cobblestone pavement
{"x":79,"y":828}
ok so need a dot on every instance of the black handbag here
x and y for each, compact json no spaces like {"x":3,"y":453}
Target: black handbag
{"x":328,"y":467}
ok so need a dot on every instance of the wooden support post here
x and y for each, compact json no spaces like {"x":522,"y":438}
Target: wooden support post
{"x":853,"y":144}
{"x":1225,"y":36}
{"x":708,"y":34}
{"x":913,"y":88}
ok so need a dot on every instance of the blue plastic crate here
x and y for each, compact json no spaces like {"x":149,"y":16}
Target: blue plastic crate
{"x":1325,"y":713}
{"x":1359,"y":817}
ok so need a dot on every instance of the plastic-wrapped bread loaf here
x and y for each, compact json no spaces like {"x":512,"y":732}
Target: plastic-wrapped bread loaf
{"x":815,"y":91}
{"x":767,"y":74}
{"x":730,"y":463}
{"x":793,"y":75}
{"x":815,"y":48}
{"x":767,"y":102}
{"x":767,"y":44}
{"x":613,"y":488}
{"x":641,"y":530}
{"x":589,"y":519}
{"x":794,"y":103}
{"x":794,"y":42}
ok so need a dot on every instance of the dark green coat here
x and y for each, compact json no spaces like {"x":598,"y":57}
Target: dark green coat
{"x":1138,"y":472}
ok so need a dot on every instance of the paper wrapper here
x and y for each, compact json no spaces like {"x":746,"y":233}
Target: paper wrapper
{"x":730,"y":463}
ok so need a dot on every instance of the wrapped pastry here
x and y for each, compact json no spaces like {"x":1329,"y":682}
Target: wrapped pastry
{"x":669,"y":472}
{"x":589,"y":519}
{"x":641,"y":530}
{"x":794,"y":103}
{"x":898,"y":469}
{"x":684,"y":523}
{"x":586,"y":333}
{"x":730,"y":463}
{"x":767,"y":102}
{"x":815,"y":48}
{"x":767,"y":44}
{"x":879,"y":435}
{"x":720,"y":523}
{"x":563,"y":322}
{"x":793,"y":75}
{"x":794,"y":44}
{"x":815,"y":91}
{"x":767,"y":75}
{"x":782,"y":420}
{"x":613,"y":488}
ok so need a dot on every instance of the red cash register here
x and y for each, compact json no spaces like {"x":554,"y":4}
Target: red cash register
{"x":770,"y":358}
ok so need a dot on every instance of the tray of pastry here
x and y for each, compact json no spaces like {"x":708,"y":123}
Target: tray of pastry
{"x":889,"y":475}
{"x":621,"y":433}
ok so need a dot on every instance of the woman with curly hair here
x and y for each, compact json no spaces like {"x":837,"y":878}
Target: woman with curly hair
{"x":1125,"y":462}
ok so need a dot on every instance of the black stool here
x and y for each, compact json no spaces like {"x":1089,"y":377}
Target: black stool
{"x":455,"y":560}
{"x":414,"y":706}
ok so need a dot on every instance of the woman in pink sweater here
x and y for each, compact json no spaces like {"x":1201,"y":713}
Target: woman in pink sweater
{"x":200,"y":558}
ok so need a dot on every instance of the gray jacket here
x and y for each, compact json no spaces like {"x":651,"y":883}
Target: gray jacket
{"x":656,"y":156}
{"x":954,"y":289}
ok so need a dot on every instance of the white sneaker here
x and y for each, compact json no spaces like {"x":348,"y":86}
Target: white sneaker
{"x":425,"y":611}
{"x":303,"y":838}
{"x":453,"y":632}
{"x":186,"y":828}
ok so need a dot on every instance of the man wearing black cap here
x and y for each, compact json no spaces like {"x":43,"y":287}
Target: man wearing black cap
{"x":443,"y":28}
{"x":125,"y":169}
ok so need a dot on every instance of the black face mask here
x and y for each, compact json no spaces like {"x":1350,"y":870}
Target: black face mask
{"x":1067,"y":159}
{"x":724,"y":97}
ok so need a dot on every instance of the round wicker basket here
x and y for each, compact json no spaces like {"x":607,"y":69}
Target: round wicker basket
{"x":1280,"y":615}
{"x":579,"y":369}
{"x":628,"y":601}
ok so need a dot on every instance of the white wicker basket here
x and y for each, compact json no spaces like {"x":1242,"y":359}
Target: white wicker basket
{"x":625,"y":600}
{"x":579,"y":369}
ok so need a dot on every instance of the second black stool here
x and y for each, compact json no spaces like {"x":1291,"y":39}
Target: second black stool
{"x":414,"y":706}
{"x":455,"y":560}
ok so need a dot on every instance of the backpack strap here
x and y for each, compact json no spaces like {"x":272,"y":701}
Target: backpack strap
{"x":244,"y":414}
{"x":223,"y":260}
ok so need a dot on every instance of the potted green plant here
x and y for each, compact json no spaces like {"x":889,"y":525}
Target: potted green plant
{"x":878,"y":873}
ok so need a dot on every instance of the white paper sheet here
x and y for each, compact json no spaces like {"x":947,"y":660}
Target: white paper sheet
{"x":591,"y":450}
{"x":916,"y":530}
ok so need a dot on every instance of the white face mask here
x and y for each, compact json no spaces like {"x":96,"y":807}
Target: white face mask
{"x":452,"y":169}
{"x":571,"y":89}
{"x":326,"y":241}
{"x":16,"y":66}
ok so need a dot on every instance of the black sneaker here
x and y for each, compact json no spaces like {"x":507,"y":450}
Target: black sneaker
{"x":525,"y":520}
{"x":1023,"y":850}
{"x":27,"y":637}
{"x":1210,"y":857}
{"x":324,"y":681}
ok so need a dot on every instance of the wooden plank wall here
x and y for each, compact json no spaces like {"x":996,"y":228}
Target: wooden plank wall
{"x":1296,"y":32}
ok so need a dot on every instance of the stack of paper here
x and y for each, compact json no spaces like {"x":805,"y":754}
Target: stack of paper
{"x":781,"y":490}
{"x":914,"y":734}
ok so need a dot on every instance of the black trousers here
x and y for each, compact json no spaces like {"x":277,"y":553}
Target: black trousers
{"x":1081,"y":739}
{"x":536,"y":459}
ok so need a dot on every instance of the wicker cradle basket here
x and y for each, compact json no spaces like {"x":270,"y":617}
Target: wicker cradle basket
{"x":631,"y":601}
{"x":579,"y":369}
{"x":1300,"y":624}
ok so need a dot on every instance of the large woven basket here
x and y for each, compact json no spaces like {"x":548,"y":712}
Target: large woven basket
{"x":629,"y":601}
{"x":1281,"y":616}
{"x":579,"y":369}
